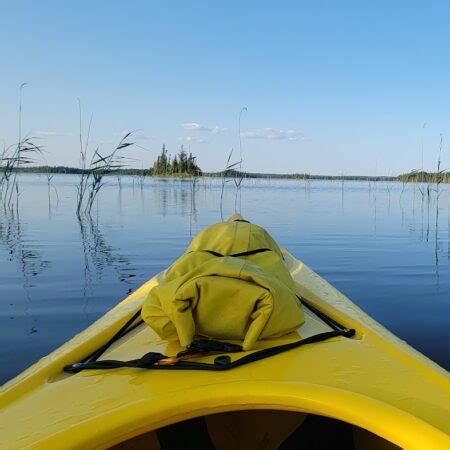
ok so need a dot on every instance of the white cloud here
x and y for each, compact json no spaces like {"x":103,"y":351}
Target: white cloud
{"x":274,"y":134}
{"x":52,"y":134}
{"x":194,"y":126}
{"x":193,"y":139}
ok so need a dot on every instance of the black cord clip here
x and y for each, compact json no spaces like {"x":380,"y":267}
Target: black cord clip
{"x":209,"y":346}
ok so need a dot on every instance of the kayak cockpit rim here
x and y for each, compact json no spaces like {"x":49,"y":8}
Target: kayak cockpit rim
{"x":296,"y":398}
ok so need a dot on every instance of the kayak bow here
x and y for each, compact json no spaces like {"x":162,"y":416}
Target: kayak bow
{"x":390,"y":394}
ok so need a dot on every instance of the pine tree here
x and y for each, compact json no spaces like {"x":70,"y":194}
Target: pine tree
{"x":182,"y":156}
{"x":161,"y":164}
{"x":175,"y":165}
{"x":181,"y":164}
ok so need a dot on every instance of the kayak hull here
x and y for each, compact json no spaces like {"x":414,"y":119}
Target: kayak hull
{"x":373,"y":381}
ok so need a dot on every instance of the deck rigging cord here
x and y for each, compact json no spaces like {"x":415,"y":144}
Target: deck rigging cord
{"x":202,"y":347}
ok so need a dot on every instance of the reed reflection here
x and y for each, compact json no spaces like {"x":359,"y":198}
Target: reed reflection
{"x":99,"y":256}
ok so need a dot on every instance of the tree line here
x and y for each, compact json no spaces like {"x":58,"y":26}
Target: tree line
{"x":425,"y":177}
{"x":181,"y":164}
{"x":165,"y":165}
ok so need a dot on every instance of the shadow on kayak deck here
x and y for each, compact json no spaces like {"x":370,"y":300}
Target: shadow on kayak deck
{"x":259,"y":430}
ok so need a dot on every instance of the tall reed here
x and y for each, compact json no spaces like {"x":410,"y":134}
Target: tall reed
{"x":14,"y":157}
{"x":228,"y":174}
{"x":101,"y":164}
{"x":238,"y":178}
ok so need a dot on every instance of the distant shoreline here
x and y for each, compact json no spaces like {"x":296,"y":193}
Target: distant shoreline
{"x":148,"y":172}
{"x":421,"y":177}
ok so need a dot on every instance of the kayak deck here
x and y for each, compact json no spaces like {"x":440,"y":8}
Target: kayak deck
{"x":373,"y":381}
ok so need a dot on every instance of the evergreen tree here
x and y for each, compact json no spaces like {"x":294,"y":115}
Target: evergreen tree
{"x":175,"y":165}
{"x":161,"y":164}
{"x":181,"y":164}
{"x":182,"y":156}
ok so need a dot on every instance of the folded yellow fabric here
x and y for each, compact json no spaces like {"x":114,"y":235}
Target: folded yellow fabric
{"x":232,"y":298}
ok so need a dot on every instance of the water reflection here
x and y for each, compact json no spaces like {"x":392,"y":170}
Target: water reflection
{"x":382,"y":243}
{"x":429,"y":223}
{"x":19,"y":249}
{"x":49,"y":193}
{"x":162,"y":201}
{"x":30,"y":261}
{"x":99,"y":255}
{"x":193,"y":204}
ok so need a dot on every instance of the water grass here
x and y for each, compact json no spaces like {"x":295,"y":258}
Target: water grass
{"x":13,"y":158}
{"x":92,"y":174}
{"x":438,"y":181}
{"x":228,"y":174}
{"x":238,"y":179}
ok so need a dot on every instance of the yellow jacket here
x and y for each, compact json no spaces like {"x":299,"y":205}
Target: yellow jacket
{"x":246,"y":298}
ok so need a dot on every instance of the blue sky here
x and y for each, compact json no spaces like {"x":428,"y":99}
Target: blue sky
{"x":330,"y":87}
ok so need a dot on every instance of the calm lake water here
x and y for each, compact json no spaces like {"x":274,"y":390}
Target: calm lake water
{"x":379,"y":243}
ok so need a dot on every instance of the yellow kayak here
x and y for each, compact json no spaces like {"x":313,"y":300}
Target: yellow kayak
{"x":368,"y":391}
